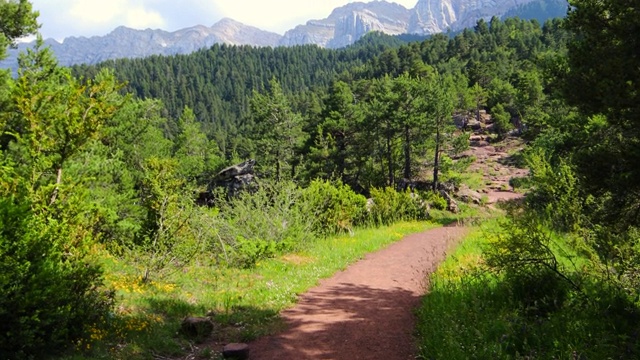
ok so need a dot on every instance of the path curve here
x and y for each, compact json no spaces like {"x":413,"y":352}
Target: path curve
{"x":365,"y":311}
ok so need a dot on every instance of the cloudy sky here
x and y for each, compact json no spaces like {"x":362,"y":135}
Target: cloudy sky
{"x":64,"y":18}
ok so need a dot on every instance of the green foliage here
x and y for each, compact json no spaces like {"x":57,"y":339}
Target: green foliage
{"x":263,"y":223}
{"x":196,"y":154}
{"x":52,"y":293}
{"x":169,"y":241}
{"x":277,"y":133}
{"x":501,"y":120}
{"x":602,"y":73}
{"x":18,"y":20}
{"x":390,"y":206}
{"x":436,"y":200}
{"x":555,"y":194}
{"x":249,"y":252}
{"x":335,"y":207}
{"x":472,"y":311}
{"x":529,"y":252}
{"x":51,"y":290}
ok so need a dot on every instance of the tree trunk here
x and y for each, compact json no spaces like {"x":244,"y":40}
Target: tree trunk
{"x":278,"y":170}
{"x":407,"y":153}
{"x":54,"y":196}
{"x":436,"y":161}
{"x":389,"y":158}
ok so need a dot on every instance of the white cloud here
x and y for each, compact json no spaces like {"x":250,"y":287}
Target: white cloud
{"x":64,"y":18}
{"x":89,"y":14}
{"x":282,"y":15}
{"x":277,"y":15}
{"x":140,"y":18}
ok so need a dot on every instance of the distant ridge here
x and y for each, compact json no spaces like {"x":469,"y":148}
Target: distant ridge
{"x":344,"y":26}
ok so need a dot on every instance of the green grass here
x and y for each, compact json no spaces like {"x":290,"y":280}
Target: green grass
{"x":243,"y":302}
{"x":473,"y":313}
{"x":474,"y":180}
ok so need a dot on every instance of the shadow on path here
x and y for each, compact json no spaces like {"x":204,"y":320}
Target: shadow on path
{"x":346,"y":321}
{"x":366,"y":311}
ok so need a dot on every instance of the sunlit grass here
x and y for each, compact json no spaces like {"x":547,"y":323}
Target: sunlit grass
{"x":243,"y":302}
{"x":472,"y":312}
{"x":474,"y":180}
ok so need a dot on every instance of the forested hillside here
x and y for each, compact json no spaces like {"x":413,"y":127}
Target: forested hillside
{"x":218,"y":82}
{"x":332,"y":95}
{"x":102,"y":238}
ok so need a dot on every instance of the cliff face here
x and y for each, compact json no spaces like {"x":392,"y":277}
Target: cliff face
{"x":349,"y":23}
{"x":434,"y":16}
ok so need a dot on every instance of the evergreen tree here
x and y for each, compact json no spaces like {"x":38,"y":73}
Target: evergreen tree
{"x":51,"y":291}
{"x":277,"y":133}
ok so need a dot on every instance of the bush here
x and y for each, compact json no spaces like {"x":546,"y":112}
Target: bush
{"x":336,"y":208}
{"x":173,"y":233}
{"x":261,"y":224}
{"x":50,"y":294}
{"x":436,"y":200}
{"x":390,"y":206}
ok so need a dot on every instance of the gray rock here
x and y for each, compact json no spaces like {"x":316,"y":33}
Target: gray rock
{"x":348,"y":23}
{"x":469,"y":196}
{"x":436,"y":16}
{"x":452,"y":205}
{"x":235,"y":178}
{"x":244,"y":168}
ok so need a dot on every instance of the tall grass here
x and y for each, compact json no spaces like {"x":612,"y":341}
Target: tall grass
{"x":472,"y":312}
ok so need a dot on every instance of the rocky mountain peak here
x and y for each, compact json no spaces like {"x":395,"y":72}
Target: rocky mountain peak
{"x":435,"y":16}
{"x":348,"y":23}
{"x":344,"y":26}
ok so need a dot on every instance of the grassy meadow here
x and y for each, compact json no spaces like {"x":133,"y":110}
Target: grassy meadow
{"x":243,"y":302}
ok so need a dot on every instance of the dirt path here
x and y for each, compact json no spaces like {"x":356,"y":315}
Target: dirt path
{"x":366,"y":311}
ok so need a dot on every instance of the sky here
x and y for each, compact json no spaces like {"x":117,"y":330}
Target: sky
{"x":64,"y":18}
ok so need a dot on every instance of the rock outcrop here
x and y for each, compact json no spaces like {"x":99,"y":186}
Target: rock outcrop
{"x":435,"y":16}
{"x":235,"y":178}
{"x":346,"y":24}
{"x":232,"y":179}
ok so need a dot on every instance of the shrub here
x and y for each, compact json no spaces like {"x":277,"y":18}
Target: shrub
{"x":50,"y":293}
{"x":173,"y":232}
{"x":436,"y":200}
{"x":263,"y":223}
{"x":336,"y":208}
{"x":390,"y":206}
{"x":248,"y":252}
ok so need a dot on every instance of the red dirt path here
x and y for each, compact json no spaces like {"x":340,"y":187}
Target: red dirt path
{"x":366,"y":311}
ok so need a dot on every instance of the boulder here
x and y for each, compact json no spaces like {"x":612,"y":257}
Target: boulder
{"x":452,"y":205}
{"x":234,"y":179}
{"x":236,"y":351}
{"x":197,"y":327}
{"x":469,"y":196}
{"x":230,"y":172}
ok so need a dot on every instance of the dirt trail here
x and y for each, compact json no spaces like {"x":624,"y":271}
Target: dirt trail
{"x":366,"y":311}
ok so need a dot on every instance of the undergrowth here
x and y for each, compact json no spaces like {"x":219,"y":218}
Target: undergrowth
{"x":243,"y":302}
{"x":474,"y":311}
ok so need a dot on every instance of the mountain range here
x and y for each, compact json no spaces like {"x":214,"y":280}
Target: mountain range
{"x":342,"y":27}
